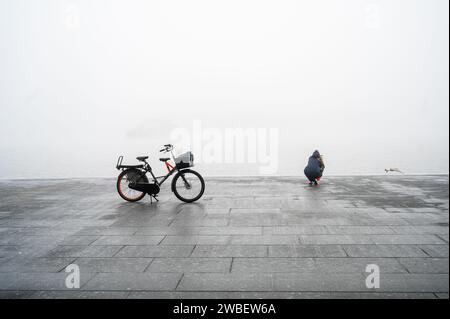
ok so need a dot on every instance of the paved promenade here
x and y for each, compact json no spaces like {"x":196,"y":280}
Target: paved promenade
{"x":246,"y":238}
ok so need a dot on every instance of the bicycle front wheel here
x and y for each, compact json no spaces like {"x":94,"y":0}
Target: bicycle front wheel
{"x":188,"y":186}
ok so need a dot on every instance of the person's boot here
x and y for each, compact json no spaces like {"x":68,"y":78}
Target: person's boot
{"x":315,"y":183}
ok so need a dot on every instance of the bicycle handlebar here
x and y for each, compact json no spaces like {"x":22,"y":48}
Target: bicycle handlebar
{"x":167,"y":148}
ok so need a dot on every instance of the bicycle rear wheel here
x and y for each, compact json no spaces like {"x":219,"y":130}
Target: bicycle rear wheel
{"x":124,"y":179}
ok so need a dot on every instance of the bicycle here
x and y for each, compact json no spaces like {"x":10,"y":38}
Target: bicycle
{"x":133,"y":184}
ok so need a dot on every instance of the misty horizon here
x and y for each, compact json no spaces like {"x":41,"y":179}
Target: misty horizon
{"x":83,"y":82}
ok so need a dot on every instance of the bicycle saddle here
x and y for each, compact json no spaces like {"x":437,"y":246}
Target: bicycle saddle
{"x":164,"y":159}
{"x":141,"y":158}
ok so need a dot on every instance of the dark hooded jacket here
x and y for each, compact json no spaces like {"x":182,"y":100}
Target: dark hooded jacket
{"x":315,"y":165}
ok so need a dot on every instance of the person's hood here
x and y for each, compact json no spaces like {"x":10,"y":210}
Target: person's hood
{"x":316,"y":154}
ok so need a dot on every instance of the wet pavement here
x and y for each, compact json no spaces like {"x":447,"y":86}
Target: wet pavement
{"x":246,"y":238}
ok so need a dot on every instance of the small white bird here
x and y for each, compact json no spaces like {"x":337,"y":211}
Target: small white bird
{"x":387,"y":170}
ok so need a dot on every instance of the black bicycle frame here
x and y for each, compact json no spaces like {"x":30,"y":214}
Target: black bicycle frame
{"x":148,"y":169}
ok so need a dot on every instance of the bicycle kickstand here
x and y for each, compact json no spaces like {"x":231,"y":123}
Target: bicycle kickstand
{"x":153,"y":196}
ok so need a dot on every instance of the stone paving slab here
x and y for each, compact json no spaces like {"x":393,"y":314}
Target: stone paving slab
{"x":407,"y":239}
{"x":12,"y":294}
{"x":436,"y":250}
{"x":413,"y":230}
{"x":156,"y":251}
{"x":64,"y":294}
{"x":84,"y":251}
{"x":243,"y":239}
{"x":192,"y":264}
{"x":361,"y":230}
{"x":335,"y":239}
{"x":28,"y":251}
{"x":37,"y":281}
{"x":311,"y":282}
{"x":277,"y":295}
{"x":294,"y":230}
{"x":384,"y":251}
{"x":306,"y":251}
{"x":109,"y":231}
{"x":425,"y":265}
{"x":30,"y":265}
{"x":207,"y":221}
{"x":117,"y":265}
{"x":128,"y":240}
{"x":196,"y":240}
{"x":209,"y":231}
{"x":230,"y":251}
{"x":130,"y":281}
{"x":314,"y":265}
{"x":264,"y":239}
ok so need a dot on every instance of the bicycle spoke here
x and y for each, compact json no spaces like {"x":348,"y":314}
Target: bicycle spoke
{"x":189,"y":186}
{"x":126,"y":190}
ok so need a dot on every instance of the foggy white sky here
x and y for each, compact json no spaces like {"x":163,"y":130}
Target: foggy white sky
{"x":365,"y":82}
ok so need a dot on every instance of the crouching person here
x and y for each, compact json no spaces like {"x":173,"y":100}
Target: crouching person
{"x":314,"y":170}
